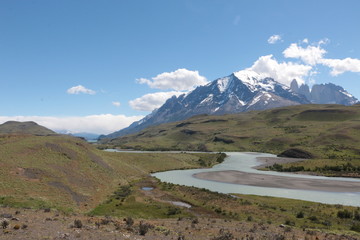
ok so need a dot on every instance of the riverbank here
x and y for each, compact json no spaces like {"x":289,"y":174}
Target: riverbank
{"x":261,"y":180}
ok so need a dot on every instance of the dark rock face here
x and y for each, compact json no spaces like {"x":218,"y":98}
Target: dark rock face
{"x":239,"y":92}
{"x":296,"y":153}
{"x":324,"y":94}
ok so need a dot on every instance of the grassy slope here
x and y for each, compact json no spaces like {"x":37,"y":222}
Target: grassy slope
{"x":25,"y":128}
{"x":132,"y":201}
{"x":327,"y":131}
{"x":67,"y":172}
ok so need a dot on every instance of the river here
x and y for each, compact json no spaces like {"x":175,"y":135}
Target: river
{"x":245,"y":163}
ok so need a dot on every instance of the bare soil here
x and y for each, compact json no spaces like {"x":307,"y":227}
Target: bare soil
{"x":44,"y":224}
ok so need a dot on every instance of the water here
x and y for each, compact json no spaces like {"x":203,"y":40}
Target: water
{"x":245,"y":162}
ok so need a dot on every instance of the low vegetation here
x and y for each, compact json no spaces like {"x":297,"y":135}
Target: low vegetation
{"x":67,"y":173}
{"x":327,"y":133}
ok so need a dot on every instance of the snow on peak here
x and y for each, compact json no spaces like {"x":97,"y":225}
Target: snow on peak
{"x":249,"y":76}
{"x":222,"y":84}
{"x":256,"y":81}
{"x":346,"y":93}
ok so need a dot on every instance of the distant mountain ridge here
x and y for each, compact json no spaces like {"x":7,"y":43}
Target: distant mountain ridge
{"x":324,"y":94}
{"x":25,"y":128}
{"x":239,"y":92}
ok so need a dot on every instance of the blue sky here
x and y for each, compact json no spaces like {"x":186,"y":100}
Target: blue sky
{"x":86,"y":65}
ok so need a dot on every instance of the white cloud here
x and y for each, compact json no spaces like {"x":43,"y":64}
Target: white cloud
{"x":116,"y":104}
{"x":179,"y":80}
{"x":309,"y":55}
{"x":274,"y":39}
{"x":283,"y":72}
{"x":151,"y":101}
{"x":339,"y":66}
{"x":99,"y":124}
{"x":314,"y":55}
{"x":80,"y":89}
{"x":305,"y":40}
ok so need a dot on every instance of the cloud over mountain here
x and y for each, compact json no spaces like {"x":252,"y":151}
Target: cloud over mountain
{"x":283,"y":72}
{"x":151,"y":101}
{"x":179,"y":80}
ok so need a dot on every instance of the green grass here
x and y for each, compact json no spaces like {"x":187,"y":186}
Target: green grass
{"x":330,"y":133}
{"x":24,"y":128}
{"x":324,"y":130}
{"x":66,"y":172}
{"x":138,"y":203}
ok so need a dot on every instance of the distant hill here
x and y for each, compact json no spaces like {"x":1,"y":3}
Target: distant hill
{"x":241,"y":91}
{"x":24,"y":128}
{"x":326,"y":131}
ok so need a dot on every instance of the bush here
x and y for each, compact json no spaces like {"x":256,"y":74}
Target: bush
{"x":173,"y":211}
{"x":144,"y":228}
{"x":355,"y":227}
{"x":313,"y":219}
{"x":300,"y":215}
{"x":4,"y":224}
{"x":129,"y":221}
{"x":344,"y":214}
{"x":78,"y":223}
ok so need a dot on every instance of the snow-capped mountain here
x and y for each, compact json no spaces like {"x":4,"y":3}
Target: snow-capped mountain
{"x":241,"y":91}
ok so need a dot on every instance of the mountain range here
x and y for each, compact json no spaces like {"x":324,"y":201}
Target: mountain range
{"x":239,"y":92}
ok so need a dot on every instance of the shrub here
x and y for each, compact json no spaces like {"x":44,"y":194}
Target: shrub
{"x":224,"y":236}
{"x":355,"y":227}
{"x":173,"y":211}
{"x":313,"y":219}
{"x":4,"y":224}
{"x":290,"y":223}
{"x":357,"y":216}
{"x":144,"y":228}
{"x":344,"y":214}
{"x":300,"y":215}
{"x":78,"y":223}
{"x":129,"y":221}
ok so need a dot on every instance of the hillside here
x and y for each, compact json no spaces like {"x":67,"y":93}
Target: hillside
{"x":241,"y":91}
{"x":24,"y":128}
{"x":326,"y":131}
{"x":68,"y":173}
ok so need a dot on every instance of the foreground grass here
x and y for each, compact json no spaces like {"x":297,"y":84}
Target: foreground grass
{"x":133,"y":201}
{"x":64,"y":172}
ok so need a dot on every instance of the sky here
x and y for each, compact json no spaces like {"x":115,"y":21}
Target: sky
{"x":96,"y":66}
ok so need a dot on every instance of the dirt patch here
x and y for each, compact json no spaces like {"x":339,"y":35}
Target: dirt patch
{"x":77,"y":197}
{"x":188,"y":131}
{"x":98,"y":160}
{"x":69,"y":153}
{"x":34,"y":173}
